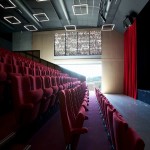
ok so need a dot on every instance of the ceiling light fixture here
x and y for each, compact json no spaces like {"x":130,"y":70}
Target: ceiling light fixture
{"x":30,"y":27}
{"x":8,"y":7}
{"x":12,"y":20}
{"x":41,"y":17}
{"x":107,"y":8}
{"x":108,"y":27}
{"x":81,"y":9}
{"x":70,"y":27}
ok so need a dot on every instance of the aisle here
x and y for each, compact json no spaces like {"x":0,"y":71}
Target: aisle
{"x":50,"y":136}
{"x":96,"y":138}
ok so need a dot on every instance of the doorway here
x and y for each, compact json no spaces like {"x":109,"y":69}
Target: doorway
{"x":92,"y":72}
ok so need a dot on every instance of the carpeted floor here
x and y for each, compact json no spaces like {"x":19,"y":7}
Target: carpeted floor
{"x":50,"y":136}
{"x":96,"y":138}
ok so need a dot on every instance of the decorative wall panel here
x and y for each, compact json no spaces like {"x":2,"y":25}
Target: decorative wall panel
{"x":71,"y":43}
{"x":60,"y":44}
{"x":78,"y":43}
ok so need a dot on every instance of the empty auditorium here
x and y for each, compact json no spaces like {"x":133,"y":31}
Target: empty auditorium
{"x":74,"y":75}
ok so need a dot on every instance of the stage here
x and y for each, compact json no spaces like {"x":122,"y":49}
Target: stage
{"x":135,"y":112}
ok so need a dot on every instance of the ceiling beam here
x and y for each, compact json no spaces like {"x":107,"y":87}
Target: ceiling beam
{"x":64,"y":10}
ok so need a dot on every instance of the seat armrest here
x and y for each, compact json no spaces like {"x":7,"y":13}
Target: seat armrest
{"x":79,"y":130}
{"x":48,"y":91}
{"x":35,"y":95}
{"x":55,"y":89}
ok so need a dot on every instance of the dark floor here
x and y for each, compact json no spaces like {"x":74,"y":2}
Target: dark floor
{"x":96,"y":138}
{"x":50,"y":135}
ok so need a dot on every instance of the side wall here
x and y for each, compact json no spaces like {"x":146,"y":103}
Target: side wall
{"x":22,"y":41}
{"x":112,"y":62}
{"x":6,"y":40}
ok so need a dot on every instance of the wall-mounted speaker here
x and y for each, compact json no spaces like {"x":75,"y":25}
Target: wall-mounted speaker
{"x":127,"y":21}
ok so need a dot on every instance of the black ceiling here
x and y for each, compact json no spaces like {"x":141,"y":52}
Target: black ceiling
{"x":60,"y":13}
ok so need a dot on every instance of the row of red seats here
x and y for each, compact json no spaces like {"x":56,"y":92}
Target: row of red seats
{"x":29,"y":96}
{"x":27,"y":70}
{"x":73,"y":106}
{"x":6,"y":70}
{"x":7,"y":67}
{"x":21,"y":64}
{"x":37,"y":91}
{"x":122,"y":136}
{"x":32,"y":96}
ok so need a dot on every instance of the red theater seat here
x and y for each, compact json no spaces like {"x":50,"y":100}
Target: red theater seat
{"x":125,"y":137}
{"x":48,"y":92}
{"x":71,"y":132}
{"x":134,"y":141}
{"x":26,"y":100}
{"x":58,"y":81}
{"x":110,"y":111}
{"x":37,"y":82}
{"x":55,"y":87}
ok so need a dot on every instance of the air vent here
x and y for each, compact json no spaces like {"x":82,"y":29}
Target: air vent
{"x":41,"y":17}
{"x":30,"y":27}
{"x":7,"y":4}
{"x":81,"y":9}
{"x":70,"y":28}
{"x":108,"y":27}
{"x":12,"y":20}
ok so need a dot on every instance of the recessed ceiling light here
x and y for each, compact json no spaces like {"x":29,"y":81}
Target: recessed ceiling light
{"x":81,"y":9}
{"x":7,"y":5}
{"x":30,"y":27}
{"x":41,"y":17}
{"x":70,"y":27}
{"x":108,"y":27}
{"x":12,"y":20}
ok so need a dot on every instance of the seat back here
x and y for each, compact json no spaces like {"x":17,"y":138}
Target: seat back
{"x":65,"y":117}
{"x":26,"y":100}
{"x":119,"y":127}
{"x":133,"y":141}
{"x":110,"y":111}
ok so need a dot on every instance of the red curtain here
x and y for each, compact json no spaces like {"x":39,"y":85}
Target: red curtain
{"x":130,"y":61}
